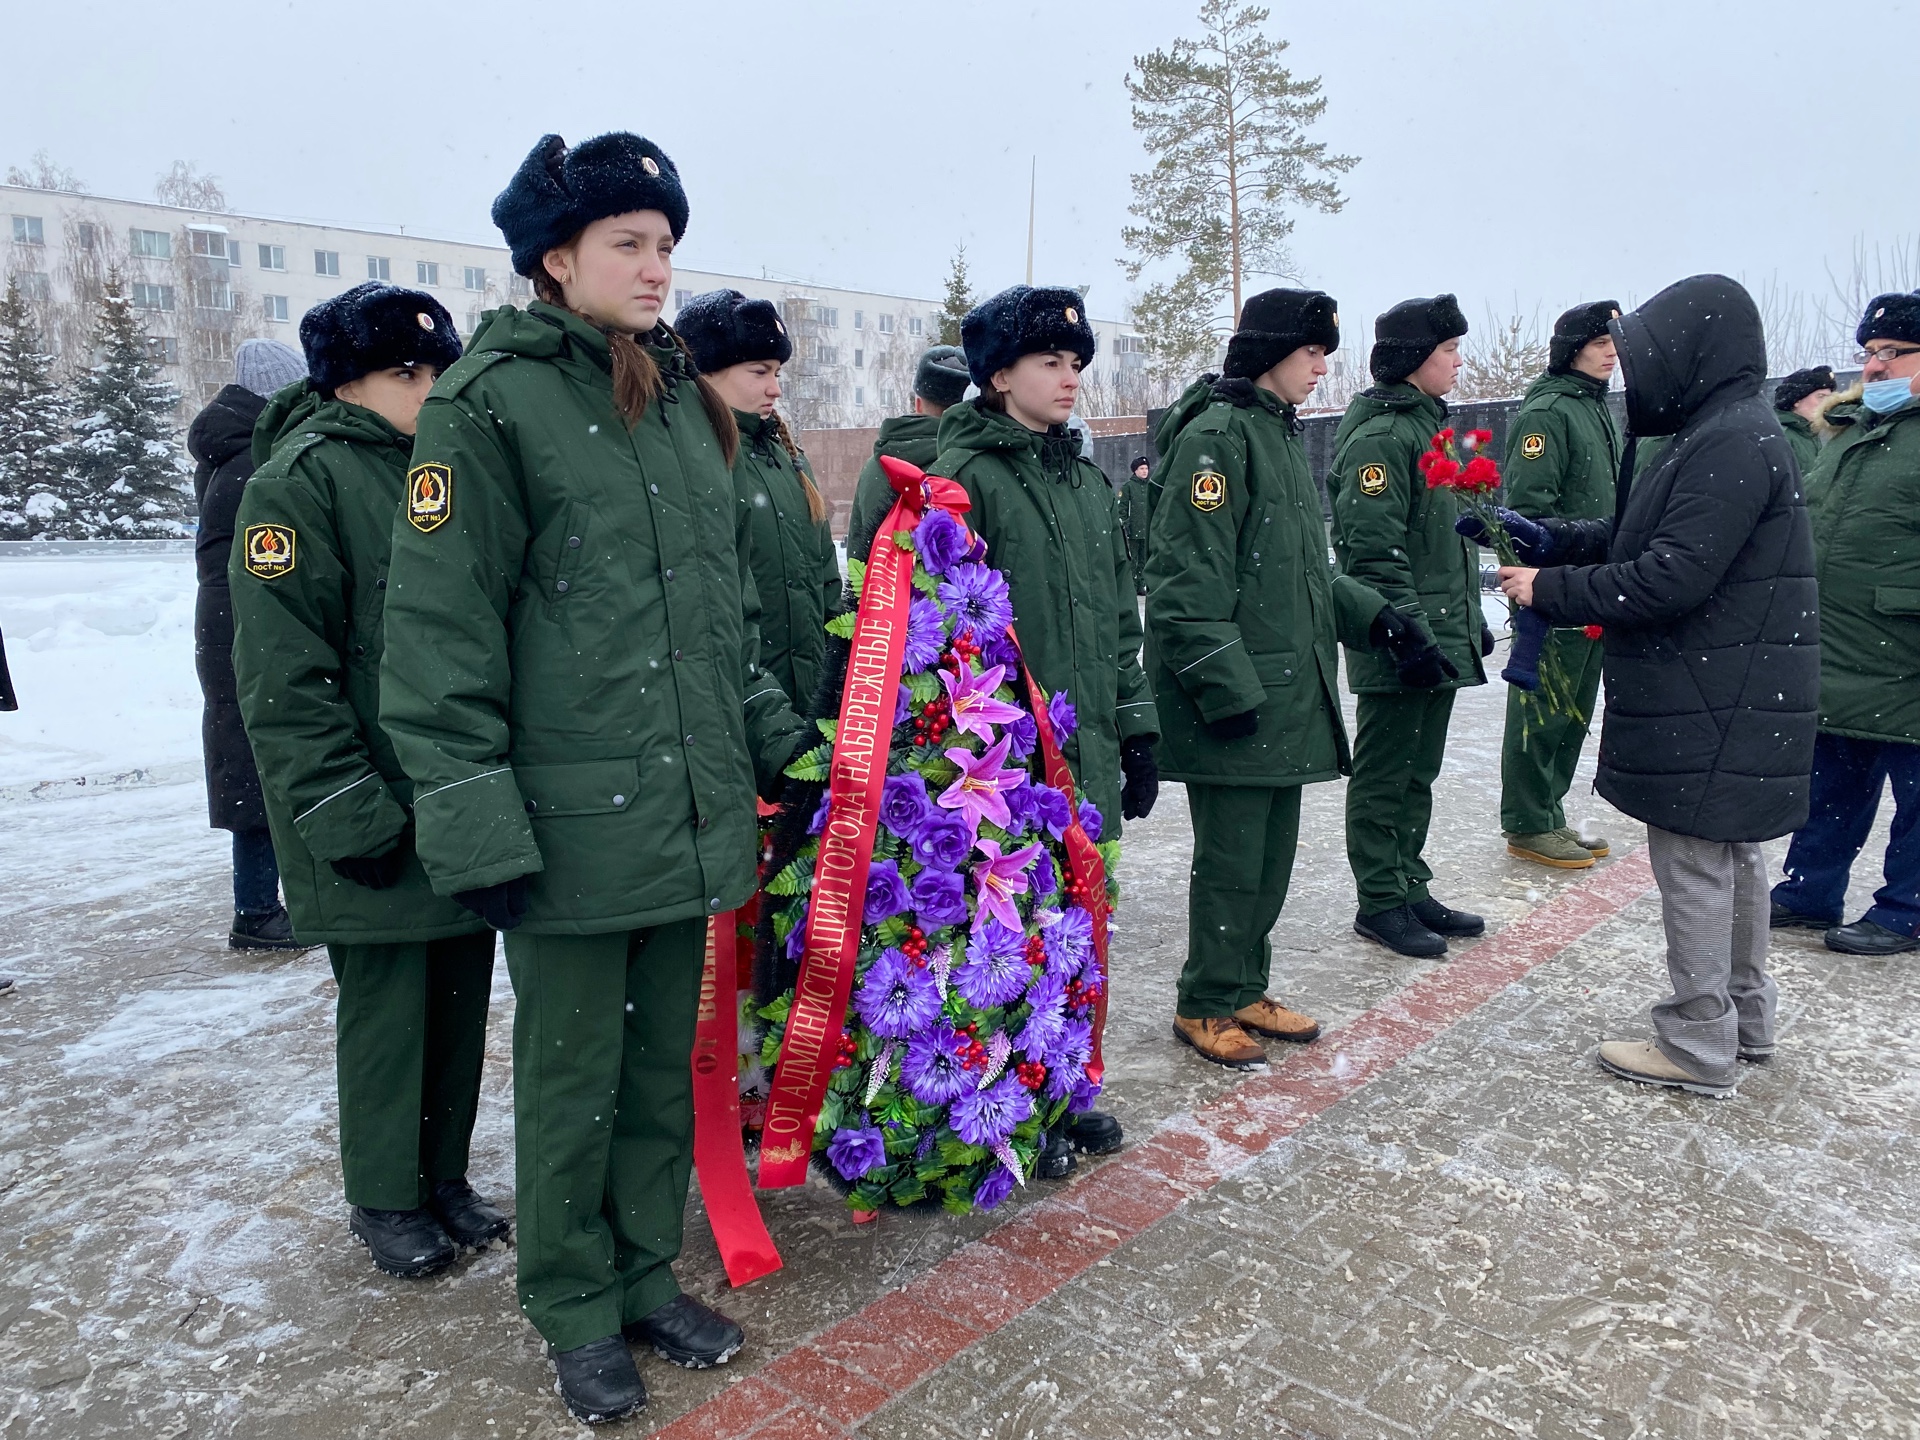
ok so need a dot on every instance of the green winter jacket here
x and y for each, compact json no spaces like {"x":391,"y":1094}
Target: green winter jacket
{"x":1136,"y":518}
{"x":308,"y":575}
{"x":1563,"y":451}
{"x":1806,"y":445}
{"x":1052,"y":526}
{"x":1242,"y":609}
{"x":1866,"y":535}
{"x":1394,"y":534}
{"x":572,"y":676}
{"x":912,"y":438}
{"x":795,"y":567}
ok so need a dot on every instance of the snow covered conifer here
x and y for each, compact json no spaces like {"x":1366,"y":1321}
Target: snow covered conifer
{"x":128,"y":476}
{"x":34,"y":411}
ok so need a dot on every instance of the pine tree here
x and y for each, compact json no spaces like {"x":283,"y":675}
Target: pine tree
{"x":33,"y":422}
{"x":958,"y":299}
{"x":1225,"y":124}
{"x":128,"y":477}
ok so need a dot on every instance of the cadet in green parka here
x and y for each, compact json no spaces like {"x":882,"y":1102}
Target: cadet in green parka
{"x":1051,"y":523}
{"x":573,"y":683}
{"x":1243,"y":617}
{"x":1562,"y":461}
{"x":1797,"y":401}
{"x":308,"y":579}
{"x":739,"y":345}
{"x":939,"y":383}
{"x":1394,"y":534}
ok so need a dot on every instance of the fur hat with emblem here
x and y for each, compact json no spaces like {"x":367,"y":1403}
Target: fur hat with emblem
{"x":1802,"y":383}
{"x":556,"y":193}
{"x":1579,"y":327}
{"x":1407,"y":334}
{"x":1022,"y":320}
{"x":1274,"y":324}
{"x":375,"y":326}
{"x":724,"y":327}
{"x":1891,"y":317}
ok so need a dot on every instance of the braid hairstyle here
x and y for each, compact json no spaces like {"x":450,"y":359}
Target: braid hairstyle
{"x":816,"y":503}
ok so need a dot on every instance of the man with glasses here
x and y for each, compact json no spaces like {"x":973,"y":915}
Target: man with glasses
{"x":1866,"y":528}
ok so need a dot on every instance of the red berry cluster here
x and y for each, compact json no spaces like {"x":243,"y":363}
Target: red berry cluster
{"x":1080,"y":996}
{"x":1076,"y":888}
{"x":963,"y":648}
{"x":1031,"y":1073}
{"x":849,"y":1051}
{"x":973,"y":1055}
{"x":1036,"y":950}
{"x":914,"y":947}
{"x":930,"y":726}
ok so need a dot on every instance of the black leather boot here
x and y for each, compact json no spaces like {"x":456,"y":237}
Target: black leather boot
{"x":1400,"y":930}
{"x":467,"y":1218}
{"x":272,"y":930}
{"x":407,"y":1243}
{"x":1056,"y":1160}
{"x":1444,"y":920}
{"x":691,"y":1335}
{"x":599,"y":1381}
{"x":1094,"y":1132}
{"x":1867,"y":937}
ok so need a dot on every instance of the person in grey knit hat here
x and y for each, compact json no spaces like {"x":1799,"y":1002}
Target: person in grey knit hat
{"x":221,"y":443}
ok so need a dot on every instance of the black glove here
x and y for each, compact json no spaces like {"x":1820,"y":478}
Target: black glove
{"x":1142,"y":785}
{"x":1416,"y":659}
{"x":1234,"y":727}
{"x":1486,"y":640}
{"x":502,"y":906}
{"x":376,"y":872}
{"x":1532,"y":541}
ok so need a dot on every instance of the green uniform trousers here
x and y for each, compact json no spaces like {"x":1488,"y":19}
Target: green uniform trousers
{"x":1536,"y":774}
{"x":410,"y":1034}
{"x":1399,"y":741}
{"x":1244,"y":838}
{"x":603,"y":1121}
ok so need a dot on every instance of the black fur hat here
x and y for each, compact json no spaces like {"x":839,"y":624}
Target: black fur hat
{"x":1021,"y":320}
{"x":556,"y":193}
{"x":1891,"y":317}
{"x":1580,"y":326}
{"x":1274,"y":324}
{"x":1411,"y":331}
{"x":1802,"y":383}
{"x":372,"y":327}
{"x":724,"y":327}
{"x":941,"y":376}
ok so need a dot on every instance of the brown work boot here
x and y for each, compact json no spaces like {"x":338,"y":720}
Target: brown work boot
{"x":1221,"y":1040}
{"x":1267,"y":1016}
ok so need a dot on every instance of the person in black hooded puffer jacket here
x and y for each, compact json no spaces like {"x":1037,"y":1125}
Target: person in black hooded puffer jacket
{"x":1704,"y":582}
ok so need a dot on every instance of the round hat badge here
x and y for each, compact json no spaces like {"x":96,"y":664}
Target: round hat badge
{"x":426,"y":320}
{"x":650,"y":165}
{"x":1073,"y":316}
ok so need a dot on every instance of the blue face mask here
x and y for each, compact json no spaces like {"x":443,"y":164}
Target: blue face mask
{"x":1883,"y":397}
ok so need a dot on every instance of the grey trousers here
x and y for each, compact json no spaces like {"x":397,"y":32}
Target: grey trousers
{"x":1713,"y":897}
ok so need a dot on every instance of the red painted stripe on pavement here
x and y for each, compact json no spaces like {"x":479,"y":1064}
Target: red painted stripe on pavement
{"x":823,"y":1388}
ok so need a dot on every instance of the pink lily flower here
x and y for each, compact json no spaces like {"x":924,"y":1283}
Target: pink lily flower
{"x":998,"y":879}
{"x":974,"y":707}
{"x":977,"y":793}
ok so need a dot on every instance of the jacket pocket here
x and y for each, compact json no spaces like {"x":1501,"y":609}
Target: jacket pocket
{"x":1896,"y":600}
{"x":572,"y":538}
{"x":1277,"y":669}
{"x":590,"y":787}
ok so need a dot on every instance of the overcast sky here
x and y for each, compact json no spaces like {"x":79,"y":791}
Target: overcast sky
{"x":1530,"y":151}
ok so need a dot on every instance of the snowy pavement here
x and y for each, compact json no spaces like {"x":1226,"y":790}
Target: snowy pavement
{"x":1439,"y":1221}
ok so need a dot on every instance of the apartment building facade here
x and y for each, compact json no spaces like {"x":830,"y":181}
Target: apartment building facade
{"x":203,"y":281}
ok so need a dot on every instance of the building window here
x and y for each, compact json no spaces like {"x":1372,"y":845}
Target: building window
{"x":209,"y":244}
{"x":426,"y":272}
{"x":212,"y":295}
{"x":859,"y":395}
{"x":520,"y":287}
{"x":859,"y":319}
{"x":1129,"y":345}
{"x":886,"y":324}
{"x":859,"y":359}
{"x":219,"y":344}
{"x":474,"y":278}
{"x":86,"y":234}
{"x":275,"y":306}
{"x":914,"y":325}
{"x":273,"y":257}
{"x":27,"y":230}
{"x":822,"y":353}
{"x":33,"y":284}
{"x":680,"y":298}
{"x":153,"y":297}
{"x":378,"y":268}
{"x":163,"y":349}
{"x":326,"y":262}
{"x":830,"y":316}
{"x":152,"y":245}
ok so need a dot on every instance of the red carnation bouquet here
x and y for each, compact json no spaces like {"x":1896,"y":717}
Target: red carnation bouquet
{"x":1452,"y":462}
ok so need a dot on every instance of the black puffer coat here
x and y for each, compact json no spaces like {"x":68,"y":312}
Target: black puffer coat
{"x":221,"y":441}
{"x":1707,"y":592}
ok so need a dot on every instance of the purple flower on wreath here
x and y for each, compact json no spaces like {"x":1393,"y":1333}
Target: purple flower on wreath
{"x":1025,"y":735}
{"x":1084,"y":1094}
{"x":932,"y":1070}
{"x":970,"y":697}
{"x":1069,"y":943}
{"x":996,"y":971}
{"x":986,"y":1117}
{"x":886,"y":892}
{"x":941,"y":540}
{"x":942,"y":840}
{"x":856,"y":1150}
{"x":924,"y":637}
{"x":1066,"y":1060}
{"x":902,"y":705}
{"x":1090,"y":819}
{"x":939,"y":899}
{"x":905,"y":804}
{"x":819,"y":820}
{"x":1064,"y":717}
{"x":997,"y":880}
{"x":998,"y":649}
{"x":897,"y":998}
{"x":977,"y":598}
{"x":977,"y":551}
{"x":1045,"y":879}
{"x":1043,"y":1029}
{"x":797,"y":937}
{"x":994,"y":1187}
{"x":1048,"y":807}
{"x":979,"y":792}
